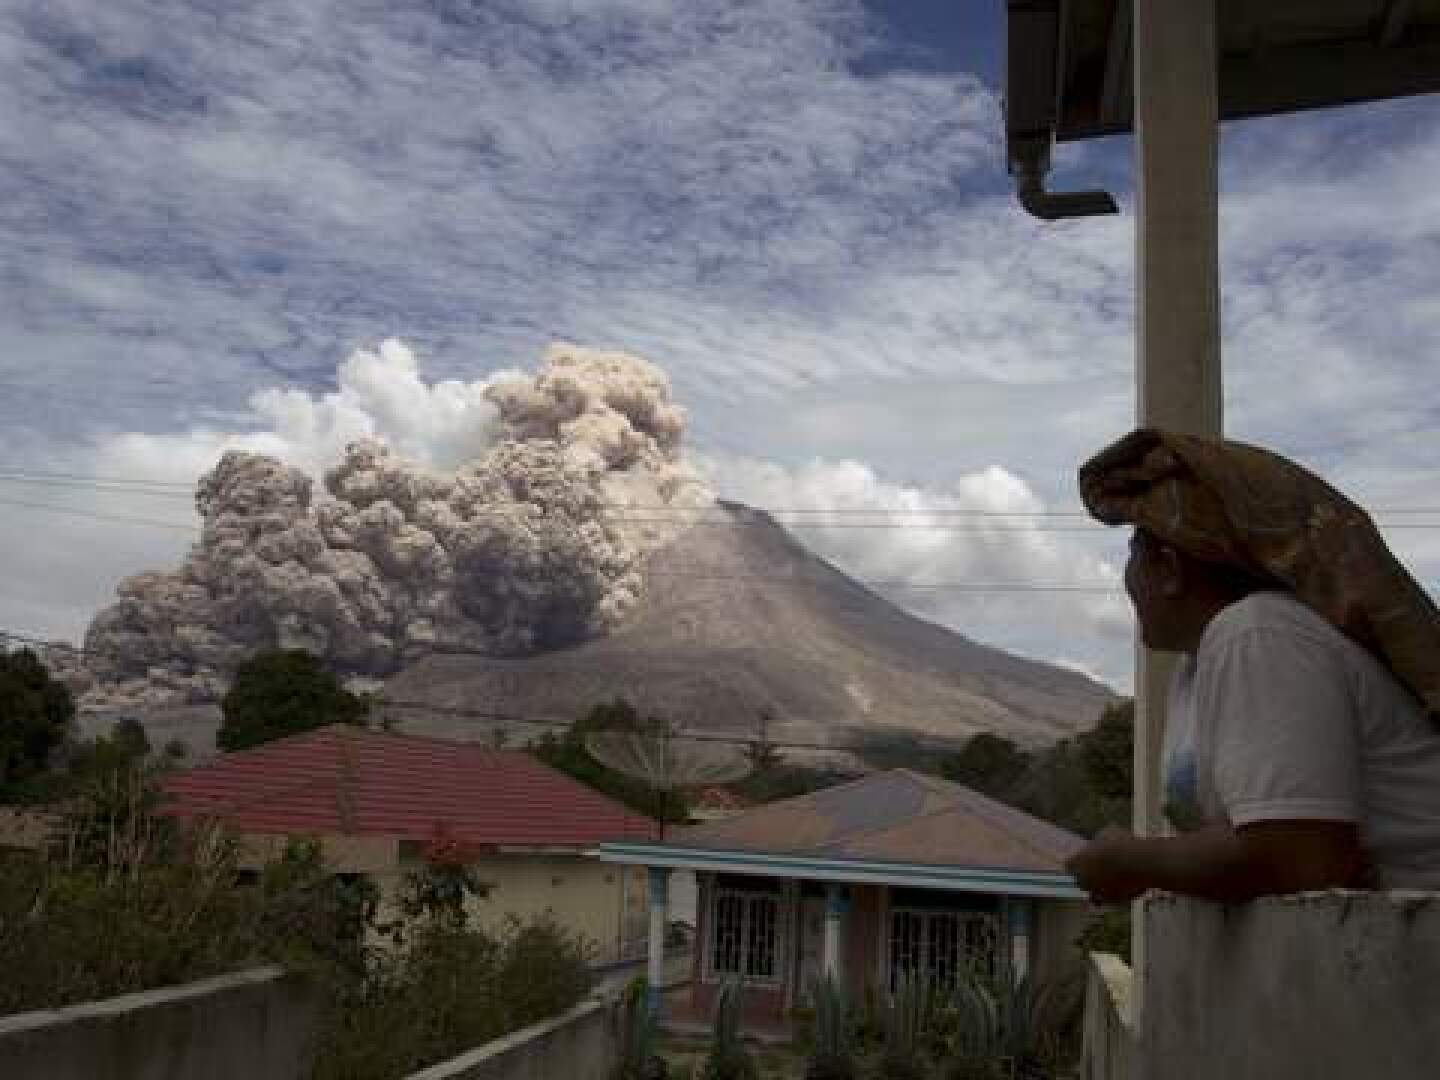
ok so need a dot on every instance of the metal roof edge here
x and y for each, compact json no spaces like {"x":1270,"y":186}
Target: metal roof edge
{"x":914,"y":875}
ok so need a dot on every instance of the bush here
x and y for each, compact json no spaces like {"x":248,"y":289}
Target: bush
{"x":125,"y":901}
{"x":451,"y":987}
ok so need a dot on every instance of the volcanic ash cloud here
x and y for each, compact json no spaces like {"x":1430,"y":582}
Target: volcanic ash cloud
{"x":535,"y":544}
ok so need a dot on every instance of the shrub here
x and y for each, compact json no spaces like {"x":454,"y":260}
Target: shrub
{"x":124,"y":901}
{"x":450,"y":987}
{"x":833,"y":1055}
{"x":728,"y":1058}
{"x":638,"y":1058}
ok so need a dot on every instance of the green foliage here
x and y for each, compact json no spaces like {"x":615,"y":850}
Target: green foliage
{"x":1082,"y":784}
{"x":568,"y":754}
{"x":728,"y":1058}
{"x":36,"y":717}
{"x":832,"y":1056}
{"x":125,"y":901}
{"x":283,"y":692}
{"x":447,"y":989}
{"x":785,"y":781}
{"x":985,"y":1030}
{"x":638,"y":1037}
{"x":989,"y":763}
{"x":907,"y":1029}
{"x":1107,"y":931}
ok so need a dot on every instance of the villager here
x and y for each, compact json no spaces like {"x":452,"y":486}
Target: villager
{"x":1301,"y":746}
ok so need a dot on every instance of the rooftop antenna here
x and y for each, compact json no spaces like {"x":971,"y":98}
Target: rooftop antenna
{"x":665,"y":760}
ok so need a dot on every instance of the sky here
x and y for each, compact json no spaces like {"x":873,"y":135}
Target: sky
{"x":212,"y":212}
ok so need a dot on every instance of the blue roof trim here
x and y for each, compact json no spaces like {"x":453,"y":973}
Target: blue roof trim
{"x":912,"y":875}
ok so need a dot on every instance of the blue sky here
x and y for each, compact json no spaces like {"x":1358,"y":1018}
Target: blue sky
{"x":798,"y":208}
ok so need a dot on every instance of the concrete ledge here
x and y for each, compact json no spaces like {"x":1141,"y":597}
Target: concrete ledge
{"x":581,"y":1044}
{"x":1109,"y":1026}
{"x":1321,"y":984}
{"x":255,"y":1023}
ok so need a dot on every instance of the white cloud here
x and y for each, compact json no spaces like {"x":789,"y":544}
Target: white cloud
{"x":205,"y":199}
{"x":983,"y":554}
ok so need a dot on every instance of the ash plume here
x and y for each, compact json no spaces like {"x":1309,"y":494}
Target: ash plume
{"x":534,"y":544}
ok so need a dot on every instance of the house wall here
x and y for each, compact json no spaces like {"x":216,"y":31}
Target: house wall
{"x":583,"y":895}
{"x":861,"y":929}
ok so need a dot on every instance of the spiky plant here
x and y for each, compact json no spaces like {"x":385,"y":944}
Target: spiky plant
{"x":833,"y":1057}
{"x":1022,"y":1029}
{"x":907,"y":1023}
{"x":638,"y":1059}
{"x":728,"y":1058}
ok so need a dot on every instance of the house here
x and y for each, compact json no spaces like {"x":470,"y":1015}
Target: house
{"x":896,"y":873}
{"x":376,"y":799}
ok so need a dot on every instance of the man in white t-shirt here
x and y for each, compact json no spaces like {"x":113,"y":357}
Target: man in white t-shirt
{"x":1293,"y":759}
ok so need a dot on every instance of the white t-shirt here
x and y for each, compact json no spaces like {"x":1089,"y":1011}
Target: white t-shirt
{"x":1279,"y":716}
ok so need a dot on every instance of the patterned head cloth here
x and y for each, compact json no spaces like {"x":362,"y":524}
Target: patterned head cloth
{"x":1245,"y":507}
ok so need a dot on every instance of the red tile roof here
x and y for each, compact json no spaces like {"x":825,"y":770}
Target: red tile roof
{"x":350,"y":780}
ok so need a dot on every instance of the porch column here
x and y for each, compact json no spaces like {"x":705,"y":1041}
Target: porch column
{"x":659,"y":904}
{"x":1019,"y":922}
{"x":1178,"y":366}
{"x":834,"y":914}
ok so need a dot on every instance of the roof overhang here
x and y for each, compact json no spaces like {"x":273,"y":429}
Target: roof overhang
{"x":1069,"y":66}
{"x":850,"y":871}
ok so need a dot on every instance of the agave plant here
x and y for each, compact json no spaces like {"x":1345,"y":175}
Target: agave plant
{"x":833,"y":1057}
{"x":728,"y":1058}
{"x":1039,"y":1024}
{"x":907,"y":1026}
{"x":1009,"y":1029}
{"x":638,"y":1058}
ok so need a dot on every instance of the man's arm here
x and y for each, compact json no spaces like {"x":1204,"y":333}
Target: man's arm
{"x":1221,"y":863}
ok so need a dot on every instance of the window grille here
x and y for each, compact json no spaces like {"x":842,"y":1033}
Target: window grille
{"x":937,"y":945}
{"x":745,"y":935}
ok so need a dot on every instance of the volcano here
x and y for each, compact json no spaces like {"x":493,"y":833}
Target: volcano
{"x":738,"y":619}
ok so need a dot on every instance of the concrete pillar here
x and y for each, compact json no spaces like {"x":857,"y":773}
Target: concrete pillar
{"x":1019,"y":913}
{"x":834,"y":915}
{"x":659,"y":905}
{"x":1178,"y":292}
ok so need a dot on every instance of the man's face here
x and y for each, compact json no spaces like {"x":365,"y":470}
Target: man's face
{"x":1152,"y":578}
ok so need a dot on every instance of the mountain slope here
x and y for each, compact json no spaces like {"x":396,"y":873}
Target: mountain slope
{"x":739,"y":618}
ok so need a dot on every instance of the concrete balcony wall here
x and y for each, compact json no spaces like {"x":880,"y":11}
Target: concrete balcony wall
{"x":1333,"y":984}
{"x":582,"y":1044}
{"x":1109,"y":1047}
{"x":244,"y":1026}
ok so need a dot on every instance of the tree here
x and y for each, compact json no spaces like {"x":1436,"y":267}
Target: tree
{"x":1108,"y":752}
{"x":284,"y":692}
{"x":989,"y":763}
{"x":129,"y":735}
{"x":36,"y":715}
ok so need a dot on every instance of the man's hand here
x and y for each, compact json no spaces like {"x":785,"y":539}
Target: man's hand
{"x":1107,"y":868}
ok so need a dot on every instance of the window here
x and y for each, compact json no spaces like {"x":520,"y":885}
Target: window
{"x":745,"y":935}
{"x":934,"y":943}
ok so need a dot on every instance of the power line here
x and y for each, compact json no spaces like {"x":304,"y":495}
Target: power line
{"x":963,"y":521}
{"x":493,"y":716}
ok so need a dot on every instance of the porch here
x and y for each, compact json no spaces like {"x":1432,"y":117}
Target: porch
{"x":896,"y":874}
